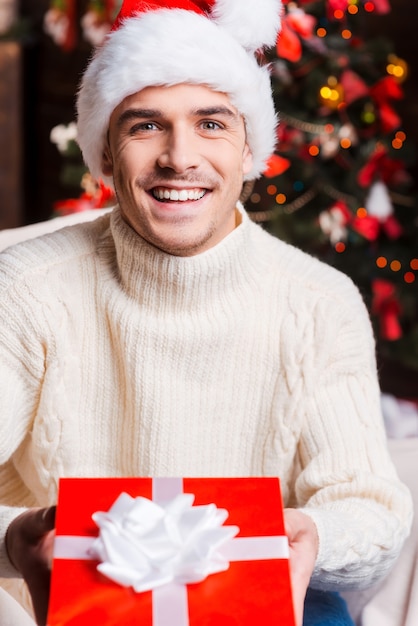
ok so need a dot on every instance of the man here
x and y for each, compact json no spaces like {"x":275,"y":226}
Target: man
{"x":176,"y":337}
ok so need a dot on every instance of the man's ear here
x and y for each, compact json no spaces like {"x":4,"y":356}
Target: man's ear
{"x":247,"y":160}
{"x":107,"y":161}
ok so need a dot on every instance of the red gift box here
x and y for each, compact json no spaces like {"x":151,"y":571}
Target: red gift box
{"x":254,"y":589}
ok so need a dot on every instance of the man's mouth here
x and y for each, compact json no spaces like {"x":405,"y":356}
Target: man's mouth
{"x":177,"y":195}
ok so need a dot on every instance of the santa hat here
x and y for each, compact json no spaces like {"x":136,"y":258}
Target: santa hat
{"x":169,"y":42}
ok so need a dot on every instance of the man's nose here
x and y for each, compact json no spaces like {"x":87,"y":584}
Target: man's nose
{"x":179,"y":151}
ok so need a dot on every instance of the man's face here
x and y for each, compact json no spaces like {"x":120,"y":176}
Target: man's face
{"x":178,"y":156}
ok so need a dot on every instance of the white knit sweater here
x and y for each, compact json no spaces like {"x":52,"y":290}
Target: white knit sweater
{"x":252,"y":358}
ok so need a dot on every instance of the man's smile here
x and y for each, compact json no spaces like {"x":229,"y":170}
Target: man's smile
{"x":177,"y":195}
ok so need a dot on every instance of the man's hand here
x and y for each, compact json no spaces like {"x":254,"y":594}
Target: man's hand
{"x":303,"y":544}
{"x":29,"y":543}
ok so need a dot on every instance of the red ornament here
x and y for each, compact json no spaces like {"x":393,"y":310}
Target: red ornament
{"x":383,"y":92}
{"x":276,"y":165}
{"x":354,"y":86}
{"x":296,"y":25}
{"x":387,"y":307}
{"x":380,"y":166}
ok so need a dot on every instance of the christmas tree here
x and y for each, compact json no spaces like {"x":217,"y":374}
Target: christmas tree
{"x":339,"y":185}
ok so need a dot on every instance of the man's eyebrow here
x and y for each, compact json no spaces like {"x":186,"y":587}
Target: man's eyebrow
{"x":135,"y":114}
{"x":215,"y":110}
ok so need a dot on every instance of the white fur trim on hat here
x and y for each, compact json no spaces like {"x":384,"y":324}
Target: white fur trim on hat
{"x":253,"y":23}
{"x":174,"y":46}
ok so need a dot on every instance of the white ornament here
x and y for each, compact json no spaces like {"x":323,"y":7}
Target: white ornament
{"x":378,"y":202}
{"x":333,"y":223}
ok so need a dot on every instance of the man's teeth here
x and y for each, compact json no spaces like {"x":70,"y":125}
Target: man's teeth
{"x":181,"y":195}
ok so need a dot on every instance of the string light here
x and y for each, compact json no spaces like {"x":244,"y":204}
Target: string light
{"x":313,"y":150}
{"x":409,"y":277}
{"x":280,"y":198}
{"x":321,"y":32}
{"x":381,"y":262}
{"x":272,"y":190}
{"x":368,"y":115}
{"x":352,"y":9}
{"x":346,"y":33}
{"x":340,"y":247}
{"x":361,"y":212}
{"x":397,"y":67}
{"x":331,"y":94}
{"x":369,"y":7}
{"x":395,"y":266}
{"x":398,"y":140}
{"x":397,"y":144}
{"x":345,"y":143}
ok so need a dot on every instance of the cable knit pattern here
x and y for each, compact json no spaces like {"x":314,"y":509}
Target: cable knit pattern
{"x":252,"y":358}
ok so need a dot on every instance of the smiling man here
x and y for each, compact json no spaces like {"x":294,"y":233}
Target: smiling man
{"x":175,"y":337}
{"x":178,"y":156}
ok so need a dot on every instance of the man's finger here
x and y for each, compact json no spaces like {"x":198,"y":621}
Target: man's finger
{"x":45,"y":519}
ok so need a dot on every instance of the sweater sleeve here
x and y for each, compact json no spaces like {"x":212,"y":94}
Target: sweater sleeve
{"x":21,"y":366}
{"x":348,"y":484}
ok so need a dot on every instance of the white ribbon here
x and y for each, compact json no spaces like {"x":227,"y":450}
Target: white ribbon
{"x":165,"y":544}
{"x":143,"y":544}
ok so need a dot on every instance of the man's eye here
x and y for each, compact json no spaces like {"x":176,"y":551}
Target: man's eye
{"x":211,"y":125}
{"x":143,"y":127}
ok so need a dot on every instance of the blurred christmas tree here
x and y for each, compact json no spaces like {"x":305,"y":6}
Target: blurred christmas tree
{"x":339,"y":185}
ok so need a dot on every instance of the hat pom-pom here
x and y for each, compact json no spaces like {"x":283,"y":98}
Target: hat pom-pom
{"x":254,"y":24}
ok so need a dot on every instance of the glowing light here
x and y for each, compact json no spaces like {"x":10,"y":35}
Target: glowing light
{"x":313,"y":150}
{"x":340,"y":246}
{"x":255,"y":198}
{"x":361,"y":212}
{"x":414,"y":264}
{"x":369,"y":7}
{"x":281,"y":198}
{"x":325,"y":93}
{"x":298,"y":185}
{"x":321,"y":32}
{"x":271,"y":190}
{"x":381,"y":262}
{"x":368,"y":115}
{"x":397,"y":67}
{"x":332,"y":93}
{"x":346,"y":33}
{"x":400,"y":135}
{"x":345,"y":143}
{"x":338,"y":14}
{"x":397,"y":144}
{"x":352,"y":9}
{"x":409,"y":277}
{"x":329,"y":128}
{"x":395,"y":266}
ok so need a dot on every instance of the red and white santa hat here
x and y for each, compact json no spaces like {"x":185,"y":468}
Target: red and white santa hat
{"x":169,"y":42}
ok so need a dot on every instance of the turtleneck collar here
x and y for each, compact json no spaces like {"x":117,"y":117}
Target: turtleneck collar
{"x":141,"y":266}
